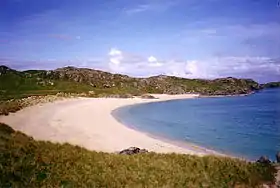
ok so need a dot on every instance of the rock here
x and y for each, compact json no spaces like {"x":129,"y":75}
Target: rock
{"x":124,"y":96}
{"x":143,"y":151}
{"x":93,"y":85}
{"x":147,"y":96}
{"x":106,"y":86}
{"x":133,"y":150}
{"x":263,"y":160}
{"x":278,"y":157}
{"x":130,"y":151}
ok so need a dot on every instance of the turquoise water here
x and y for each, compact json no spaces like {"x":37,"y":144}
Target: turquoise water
{"x":242,"y":126}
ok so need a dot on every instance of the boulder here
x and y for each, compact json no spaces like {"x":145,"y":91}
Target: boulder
{"x":278,"y":157}
{"x":263,"y":160}
{"x":147,"y":96}
{"x":143,"y":151}
{"x":133,"y":150}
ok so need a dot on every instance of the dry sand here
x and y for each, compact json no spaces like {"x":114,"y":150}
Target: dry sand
{"x":88,"y":122}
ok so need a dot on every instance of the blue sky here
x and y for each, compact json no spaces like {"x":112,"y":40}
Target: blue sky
{"x":188,"y":38}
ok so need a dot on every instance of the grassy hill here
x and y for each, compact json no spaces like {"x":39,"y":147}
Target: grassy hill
{"x":270,"y":85}
{"x":16,"y":84}
{"x":25,"y":162}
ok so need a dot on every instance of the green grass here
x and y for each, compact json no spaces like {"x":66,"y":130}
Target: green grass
{"x":25,"y":162}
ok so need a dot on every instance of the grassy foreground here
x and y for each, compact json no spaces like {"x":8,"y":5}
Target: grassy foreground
{"x":25,"y":162}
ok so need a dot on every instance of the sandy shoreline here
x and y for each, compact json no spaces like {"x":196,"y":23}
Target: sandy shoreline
{"x":88,"y":122}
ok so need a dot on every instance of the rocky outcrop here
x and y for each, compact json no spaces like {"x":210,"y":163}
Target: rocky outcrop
{"x":120,"y":96}
{"x":147,"y":96}
{"x":263,"y":160}
{"x":278,"y":157}
{"x":133,"y":150}
{"x":155,"y":84}
{"x":4,"y":69}
{"x":83,"y":79}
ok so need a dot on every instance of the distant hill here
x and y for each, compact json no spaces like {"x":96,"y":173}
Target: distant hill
{"x":71,"y":79}
{"x":270,"y":85}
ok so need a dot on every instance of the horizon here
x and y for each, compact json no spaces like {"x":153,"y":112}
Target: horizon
{"x":183,"y":38}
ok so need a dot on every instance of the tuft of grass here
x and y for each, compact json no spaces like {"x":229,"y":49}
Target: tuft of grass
{"x":25,"y":162}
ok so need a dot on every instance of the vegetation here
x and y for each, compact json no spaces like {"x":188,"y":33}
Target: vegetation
{"x":25,"y":162}
{"x":16,"y":84}
{"x":15,"y":105}
{"x":271,"y":85}
{"x":7,"y":107}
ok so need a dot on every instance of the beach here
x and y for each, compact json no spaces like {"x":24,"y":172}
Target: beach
{"x":88,"y":122}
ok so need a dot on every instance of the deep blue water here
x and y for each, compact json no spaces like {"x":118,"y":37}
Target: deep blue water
{"x":242,"y":126}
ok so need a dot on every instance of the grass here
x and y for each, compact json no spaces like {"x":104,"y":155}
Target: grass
{"x":25,"y":162}
{"x":7,"y":107}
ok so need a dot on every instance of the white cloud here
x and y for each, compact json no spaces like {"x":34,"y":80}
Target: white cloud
{"x":237,"y":39}
{"x":139,"y":8}
{"x":175,"y":68}
{"x":152,"y":59}
{"x":139,"y":66}
{"x":156,"y":64}
{"x":209,"y":31}
{"x":114,"y":52}
{"x":189,"y":69}
{"x":153,"y":62}
{"x":192,"y":68}
{"x":116,"y":56}
{"x":262,"y":69}
{"x":259,"y":68}
{"x":161,"y":5}
{"x":271,"y":29}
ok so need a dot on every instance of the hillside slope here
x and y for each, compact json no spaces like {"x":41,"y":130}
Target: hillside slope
{"x":77,"y":80}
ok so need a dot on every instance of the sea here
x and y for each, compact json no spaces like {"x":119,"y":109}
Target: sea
{"x":242,"y":126}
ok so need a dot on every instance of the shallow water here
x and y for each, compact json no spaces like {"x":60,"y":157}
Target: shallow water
{"x":241,"y":126}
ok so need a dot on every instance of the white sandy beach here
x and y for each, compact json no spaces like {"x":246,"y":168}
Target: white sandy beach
{"x":88,"y":122}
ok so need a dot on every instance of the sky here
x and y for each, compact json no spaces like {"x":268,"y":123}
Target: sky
{"x":185,"y":38}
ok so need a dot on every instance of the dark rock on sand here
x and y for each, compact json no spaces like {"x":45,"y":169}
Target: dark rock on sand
{"x":263,"y":160}
{"x":143,"y":151}
{"x":147,"y":96}
{"x":133,"y":150}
